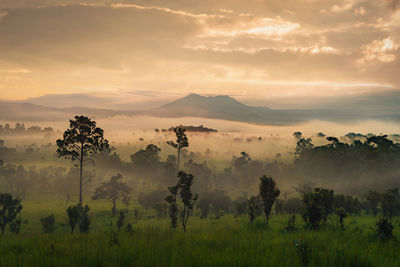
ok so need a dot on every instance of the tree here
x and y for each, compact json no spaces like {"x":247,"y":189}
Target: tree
{"x":181,"y":141}
{"x":327,"y":201}
{"x":149,"y":157}
{"x":297,"y":135}
{"x":173,"y":206}
{"x":113,"y":190}
{"x":303,"y":146}
{"x":81,"y":140}
{"x":188,"y":199}
{"x":318,"y":205}
{"x":390,"y":203}
{"x":9,"y":209}
{"x":373,"y":198}
{"x":313,"y":211}
{"x":269,"y":192}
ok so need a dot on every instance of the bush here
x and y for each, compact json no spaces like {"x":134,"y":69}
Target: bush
{"x":84,"y":224}
{"x":384,"y":229}
{"x":48,"y":223}
{"x":78,"y":214}
{"x":15,"y":226}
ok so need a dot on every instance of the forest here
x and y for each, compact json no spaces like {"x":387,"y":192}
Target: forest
{"x":86,"y":200}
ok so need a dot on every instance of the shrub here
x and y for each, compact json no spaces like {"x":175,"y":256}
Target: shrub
{"x":15,"y":226}
{"x":78,"y":214}
{"x":384,"y":229}
{"x":48,"y":223}
{"x":84,"y":224}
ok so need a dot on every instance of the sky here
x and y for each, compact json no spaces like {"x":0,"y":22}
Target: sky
{"x":260,"y":51}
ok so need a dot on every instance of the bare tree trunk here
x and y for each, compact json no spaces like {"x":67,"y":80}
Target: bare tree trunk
{"x":80,"y":175}
{"x":179,"y":156}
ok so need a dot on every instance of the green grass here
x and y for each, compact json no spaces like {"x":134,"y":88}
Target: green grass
{"x":209,"y":242}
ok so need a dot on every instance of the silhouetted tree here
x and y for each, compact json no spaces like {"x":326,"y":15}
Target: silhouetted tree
{"x":181,"y":141}
{"x":188,"y":199}
{"x":269,"y":192}
{"x":113,"y":190}
{"x":149,"y":157}
{"x":173,"y":206}
{"x":303,"y":146}
{"x":9,"y":209}
{"x":297,"y":135}
{"x":313,"y":211}
{"x":327,"y":201}
{"x":82,"y":139}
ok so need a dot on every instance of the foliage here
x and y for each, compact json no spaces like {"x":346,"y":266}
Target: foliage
{"x":113,"y":190}
{"x":341,"y":215}
{"x":78,"y":214}
{"x":269,"y":192}
{"x":173,"y":206}
{"x":215,"y":201}
{"x":254,"y":205}
{"x":313,"y":211}
{"x":15,"y":226}
{"x":82,"y":139}
{"x":181,"y":141}
{"x":9,"y":209}
{"x":48,"y":223}
{"x":384,"y":229}
{"x":390,"y":203}
{"x":188,"y":199}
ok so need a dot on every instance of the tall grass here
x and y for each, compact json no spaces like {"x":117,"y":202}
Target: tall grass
{"x":208,"y":242}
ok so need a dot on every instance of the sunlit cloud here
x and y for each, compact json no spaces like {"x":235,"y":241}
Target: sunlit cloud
{"x":381,"y":50}
{"x":256,"y":26}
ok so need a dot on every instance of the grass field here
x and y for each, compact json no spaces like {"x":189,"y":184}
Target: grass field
{"x":227,"y":241}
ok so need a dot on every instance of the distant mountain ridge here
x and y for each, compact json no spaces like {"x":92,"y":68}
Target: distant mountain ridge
{"x":214,"y":107}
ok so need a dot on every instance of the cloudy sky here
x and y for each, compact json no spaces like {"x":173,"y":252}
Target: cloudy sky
{"x":257,"y":50}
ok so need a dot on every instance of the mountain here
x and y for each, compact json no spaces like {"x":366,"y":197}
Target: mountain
{"x":226,"y":108}
{"x":17,"y":111}
{"x":214,"y":107}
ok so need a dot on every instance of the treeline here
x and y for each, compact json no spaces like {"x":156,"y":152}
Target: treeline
{"x":20,"y":129}
{"x":353,"y":167}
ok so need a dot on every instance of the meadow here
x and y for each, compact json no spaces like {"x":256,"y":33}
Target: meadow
{"x":215,"y":241}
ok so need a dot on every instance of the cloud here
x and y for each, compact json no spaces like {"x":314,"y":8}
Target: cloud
{"x":383,"y":50}
{"x":393,"y":4}
{"x":178,"y":47}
